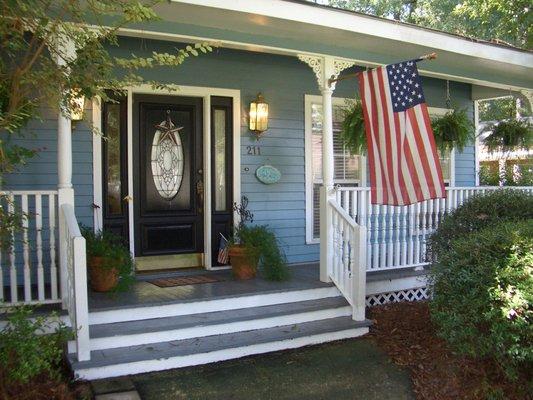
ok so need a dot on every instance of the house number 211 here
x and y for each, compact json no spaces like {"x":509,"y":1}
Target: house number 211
{"x":253,"y":150}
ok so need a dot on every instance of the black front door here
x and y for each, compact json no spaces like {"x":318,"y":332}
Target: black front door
{"x":167,"y":175}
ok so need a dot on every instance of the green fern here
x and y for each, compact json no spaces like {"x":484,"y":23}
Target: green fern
{"x":453,"y":130}
{"x":353,"y":128}
{"x":510,"y":135}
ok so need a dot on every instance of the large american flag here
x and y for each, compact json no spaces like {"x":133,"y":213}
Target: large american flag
{"x":403,"y":159}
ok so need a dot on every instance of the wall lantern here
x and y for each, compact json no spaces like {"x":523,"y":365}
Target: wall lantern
{"x":77,"y":107}
{"x":258,"y":115}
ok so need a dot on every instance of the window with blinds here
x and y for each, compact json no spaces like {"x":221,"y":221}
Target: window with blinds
{"x":347,"y":167}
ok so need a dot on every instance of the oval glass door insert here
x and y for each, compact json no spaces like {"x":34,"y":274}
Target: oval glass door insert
{"x":167,"y":159}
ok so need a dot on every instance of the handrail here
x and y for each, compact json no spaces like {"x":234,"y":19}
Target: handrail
{"x":343,"y":213}
{"x":347,"y":268}
{"x":76,"y":280}
{"x":477,"y":188}
{"x":70,"y":220}
{"x":28,"y":192}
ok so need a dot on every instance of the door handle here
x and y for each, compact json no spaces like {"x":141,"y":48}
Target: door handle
{"x":200,"y":194}
{"x":127,"y":199}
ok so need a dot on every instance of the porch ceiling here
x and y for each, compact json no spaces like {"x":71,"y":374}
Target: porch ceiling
{"x":288,"y":27}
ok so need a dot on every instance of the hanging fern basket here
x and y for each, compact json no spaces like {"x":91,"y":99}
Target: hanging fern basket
{"x":353,"y":133}
{"x":510,"y":136}
{"x":453,"y":130}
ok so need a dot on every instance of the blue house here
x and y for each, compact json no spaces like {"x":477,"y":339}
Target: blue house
{"x":169,"y":192}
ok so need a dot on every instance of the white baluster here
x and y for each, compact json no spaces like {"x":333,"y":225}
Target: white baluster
{"x":52,"y":242}
{"x":424,"y":230}
{"x":403,"y":234}
{"x":12,"y":259}
{"x":354,"y":210}
{"x":390,"y":233}
{"x":417,"y":232}
{"x":431,"y":203}
{"x":382,"y":234}
{"x":39,"y":245}
{"x":397,"y":233}
{"x":26,"y":248}
{"x":461,"y":197}
{"x":410,"y":233}
{"x":345,"y":254}
{"x":375,"y":242}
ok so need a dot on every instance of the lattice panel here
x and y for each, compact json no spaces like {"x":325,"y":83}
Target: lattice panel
{"x":395,"y":297}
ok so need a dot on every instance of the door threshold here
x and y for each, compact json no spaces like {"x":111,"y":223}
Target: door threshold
{"x":169,"y":262}
{"x":170,"y":273}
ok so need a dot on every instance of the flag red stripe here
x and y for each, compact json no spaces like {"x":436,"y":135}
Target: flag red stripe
{"x":369,"y":140}
{"x":403,"y":183}
{"x":376,"y":139}
{"x":421,"y":151}
{"x":435,"y":154}
{"x":388,"y":136}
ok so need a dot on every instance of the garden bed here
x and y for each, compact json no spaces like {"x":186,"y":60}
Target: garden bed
{"x":405,"y":332}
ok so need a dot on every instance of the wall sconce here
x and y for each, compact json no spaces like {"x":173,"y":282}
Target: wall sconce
{"x":259,"y":115}
{"x":77,"y":107}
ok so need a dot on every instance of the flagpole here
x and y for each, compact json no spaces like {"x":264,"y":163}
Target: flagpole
{"x":430,"y":56}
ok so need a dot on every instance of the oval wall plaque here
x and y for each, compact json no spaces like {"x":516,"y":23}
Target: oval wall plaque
{"x":268,"y":174}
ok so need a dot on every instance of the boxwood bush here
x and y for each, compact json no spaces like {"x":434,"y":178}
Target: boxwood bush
{"x":478,"y":212}
{"x":481,"y":279}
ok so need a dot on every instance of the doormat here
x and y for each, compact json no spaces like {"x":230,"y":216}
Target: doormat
{"x":185,"y":280}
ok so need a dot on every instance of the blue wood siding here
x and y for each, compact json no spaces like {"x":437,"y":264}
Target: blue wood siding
{"x":283,"y":81}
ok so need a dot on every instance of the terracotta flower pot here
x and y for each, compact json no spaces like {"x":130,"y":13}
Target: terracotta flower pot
{"x":102,"y":279}
{"x":241,"y":266}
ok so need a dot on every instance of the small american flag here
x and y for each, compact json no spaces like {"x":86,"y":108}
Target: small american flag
{"x":223,"y":250}
{"x":403,"y":159}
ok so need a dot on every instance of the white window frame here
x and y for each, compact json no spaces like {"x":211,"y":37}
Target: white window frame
{"x":309,"y":100}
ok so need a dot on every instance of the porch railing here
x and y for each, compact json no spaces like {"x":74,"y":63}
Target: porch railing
{"x":76,"y":280}
{"x":397,"y":236}
{"x":348,"y":271}
{"x":28,"y":269}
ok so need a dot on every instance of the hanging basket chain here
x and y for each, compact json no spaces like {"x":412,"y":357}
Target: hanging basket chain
{"x":448,"y":99}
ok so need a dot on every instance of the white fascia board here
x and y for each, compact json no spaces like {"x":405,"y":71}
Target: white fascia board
{"x":370,"y":26}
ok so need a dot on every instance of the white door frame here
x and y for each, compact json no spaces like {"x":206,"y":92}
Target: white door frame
{"x":188,"y":91}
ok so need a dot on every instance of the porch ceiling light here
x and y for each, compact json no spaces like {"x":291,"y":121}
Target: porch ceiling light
{"x":77,"y":107}
{"x":259,"y":114}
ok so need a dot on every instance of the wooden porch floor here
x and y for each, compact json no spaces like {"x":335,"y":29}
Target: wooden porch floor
{"x":144,"y":293}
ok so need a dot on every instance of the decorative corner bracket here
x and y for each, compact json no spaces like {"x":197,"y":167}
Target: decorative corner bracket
{"x":317,"y":65}
{"x":325,"y":68}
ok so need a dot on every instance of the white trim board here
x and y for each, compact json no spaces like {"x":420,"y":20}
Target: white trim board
{"x":369,"y":25}
{"x":190,"y":91}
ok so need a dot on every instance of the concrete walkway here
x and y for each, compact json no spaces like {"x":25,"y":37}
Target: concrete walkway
{"x":350,"y":369}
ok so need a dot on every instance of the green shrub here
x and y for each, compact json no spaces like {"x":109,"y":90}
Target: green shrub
{"x":482,"y":288}
{"x":478,"y":212}
{"x":25,"y":351}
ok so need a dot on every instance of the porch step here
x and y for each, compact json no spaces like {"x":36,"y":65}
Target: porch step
{"x":202,"y":350}
{"x":155,"y":330}
{"x":172,"y":308}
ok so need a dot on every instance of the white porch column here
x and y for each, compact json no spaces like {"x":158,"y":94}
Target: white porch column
{"x":326,"y":68}
{"x":65,"y":51}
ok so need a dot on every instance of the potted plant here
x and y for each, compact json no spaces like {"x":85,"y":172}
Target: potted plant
{"x":254,"y":246}
{"x":453,"y":130}
{"x":109,"y":263}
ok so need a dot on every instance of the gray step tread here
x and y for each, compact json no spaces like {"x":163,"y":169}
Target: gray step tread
{"x":213,"y":318}
{"x":186,"y":347}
